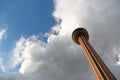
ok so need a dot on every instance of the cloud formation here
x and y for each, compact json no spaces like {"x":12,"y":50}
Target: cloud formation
{"x":2,"y":33}
{"x":60,"y":58}
{"x":2,"y":67}
{"x":50,"y":60}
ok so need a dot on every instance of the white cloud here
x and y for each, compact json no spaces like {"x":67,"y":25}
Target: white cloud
{"x":56,"y":60}
{"x":2,"y":33}
{"x":118,"y":61}
{"x":17,"y":58}
{"x":60,"y":58}
{"x":2,"y":67}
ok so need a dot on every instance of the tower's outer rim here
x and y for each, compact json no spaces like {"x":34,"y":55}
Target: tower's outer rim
{"x":79,"y":32}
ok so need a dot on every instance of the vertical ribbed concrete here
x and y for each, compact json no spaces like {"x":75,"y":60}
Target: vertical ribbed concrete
{"x":100,"y":70}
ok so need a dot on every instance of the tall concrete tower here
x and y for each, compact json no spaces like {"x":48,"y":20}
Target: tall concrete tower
{"x":100,"y":70}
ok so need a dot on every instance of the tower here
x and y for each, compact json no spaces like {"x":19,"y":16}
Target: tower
{"x":100,"y":70}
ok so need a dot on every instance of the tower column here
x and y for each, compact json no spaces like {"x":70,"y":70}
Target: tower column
{"x":100,"y":70}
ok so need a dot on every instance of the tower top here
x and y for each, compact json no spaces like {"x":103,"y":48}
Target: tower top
{"x":79,"y":32}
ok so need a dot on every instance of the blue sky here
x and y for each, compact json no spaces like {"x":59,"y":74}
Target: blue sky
{"x":23,"y":18}
{"x":26,"y":17}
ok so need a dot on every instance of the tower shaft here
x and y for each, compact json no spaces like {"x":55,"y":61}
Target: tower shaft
{"x":98,"y":67}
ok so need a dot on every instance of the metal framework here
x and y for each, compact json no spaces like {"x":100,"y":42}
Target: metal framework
{"x":100,"y":70}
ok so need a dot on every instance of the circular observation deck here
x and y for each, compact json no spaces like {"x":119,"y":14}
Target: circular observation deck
{"x":79,"y":32}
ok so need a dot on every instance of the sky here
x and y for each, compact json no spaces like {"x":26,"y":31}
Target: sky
{"x":36,"y":43}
